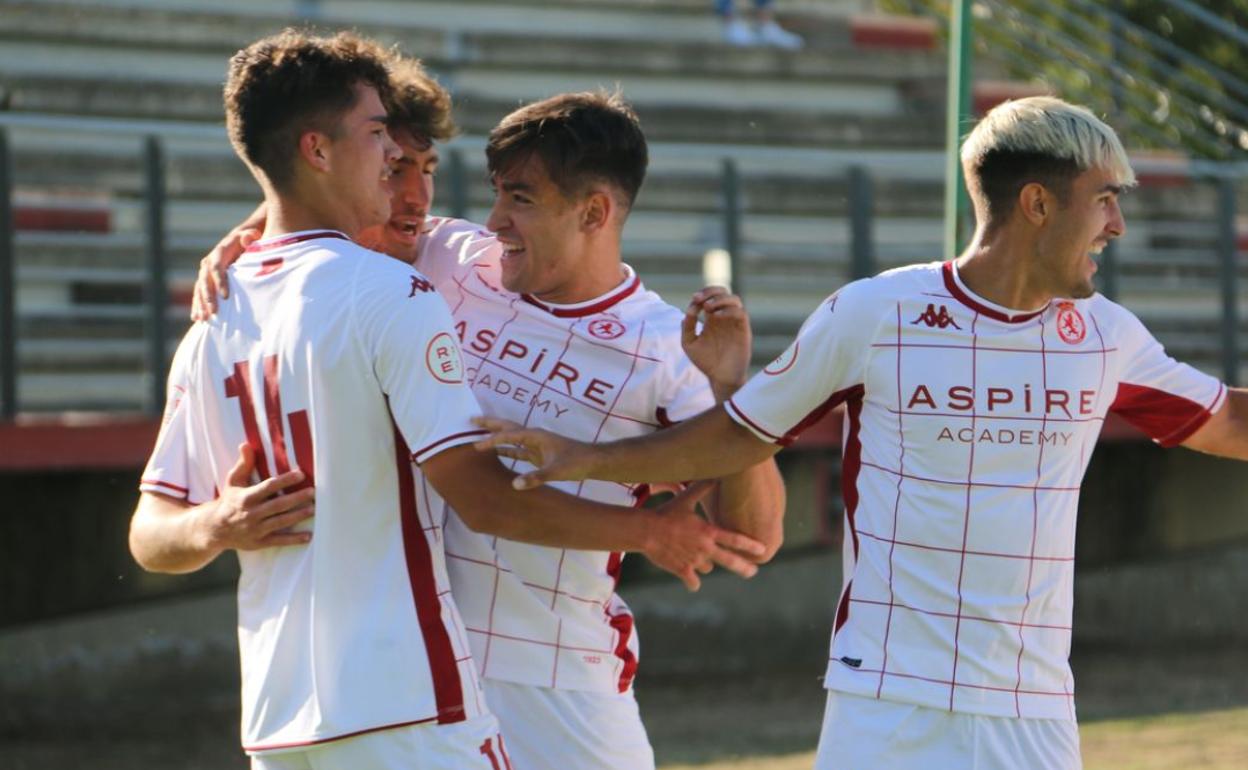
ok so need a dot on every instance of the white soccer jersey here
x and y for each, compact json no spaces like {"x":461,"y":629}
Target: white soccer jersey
{"x":341,"y":362}
{"x":968,"y":430}
{"x":601,"y":370}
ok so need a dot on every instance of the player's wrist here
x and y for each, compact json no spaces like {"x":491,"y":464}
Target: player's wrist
{"x":724,"y":389}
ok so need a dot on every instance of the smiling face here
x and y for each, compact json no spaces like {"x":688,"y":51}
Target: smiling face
{"x":360,"y":155}
{"x":411,"y":196}
{"x":542,"y":235}
{"x":1085,"y":222}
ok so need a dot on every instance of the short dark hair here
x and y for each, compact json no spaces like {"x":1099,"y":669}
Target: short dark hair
{"x":418,"y":104}
{"x":581,"y":138}
{"x":285,"y":84}
{"x":1001,"y":174}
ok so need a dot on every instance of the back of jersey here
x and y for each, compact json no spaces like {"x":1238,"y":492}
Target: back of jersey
{"x":340,"y":362}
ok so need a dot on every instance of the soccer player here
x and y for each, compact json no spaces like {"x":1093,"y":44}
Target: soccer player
{"x":338,"y":367}
{"x":559,"y":332}
{"x":974,"y":393}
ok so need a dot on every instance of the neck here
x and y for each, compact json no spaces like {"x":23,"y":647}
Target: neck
{"x":599,"y":271}
{"x":296,"y":213}
{"x":998,"y":267}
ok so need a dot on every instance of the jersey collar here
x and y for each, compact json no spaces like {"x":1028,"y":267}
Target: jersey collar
{"x":280,"y":241}
{"x":627,"y":287}
{"x":953,"y":282}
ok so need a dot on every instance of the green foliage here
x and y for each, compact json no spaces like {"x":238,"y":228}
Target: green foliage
{"x":1163,"y":77}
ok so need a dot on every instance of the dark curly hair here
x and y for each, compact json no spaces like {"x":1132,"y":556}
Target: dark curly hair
{"x":281,"y":86}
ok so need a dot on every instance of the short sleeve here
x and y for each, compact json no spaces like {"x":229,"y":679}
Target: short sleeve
{"x":1166,"y":399}
{"x":688,"y":392}
{"x":822,"y":368}
{"x":173,"y":469}
{"x":417,"y":362}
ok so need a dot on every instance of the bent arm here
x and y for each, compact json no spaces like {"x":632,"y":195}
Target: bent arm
{"x":479,"y":488}
{"x":752,"y":502}
{"x":708,"y":446}
{"x":1225,"y":433}
{"x":167,"y":535}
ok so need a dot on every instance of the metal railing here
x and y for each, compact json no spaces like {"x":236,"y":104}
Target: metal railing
{"x":151,"y":143}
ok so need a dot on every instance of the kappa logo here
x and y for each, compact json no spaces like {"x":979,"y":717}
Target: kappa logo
{"x":1070,"y":325}
{"x":606,"y":328}
{"x":420,"y":285}
{"x":933,"y":319}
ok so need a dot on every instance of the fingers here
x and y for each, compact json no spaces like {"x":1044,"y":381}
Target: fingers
{"x":284,"y":521}
{"x":740,"y":543}
{"x":690,"y":579}
{"x":282,"y":503}
{"x":530,"y":480}
{"x":495,"y":424}
{"x":694,"y":493}
{"x":272,"y":486}
{"x":240,"y":474}
{"x":734,"y":562}
{"x":284,"y":538}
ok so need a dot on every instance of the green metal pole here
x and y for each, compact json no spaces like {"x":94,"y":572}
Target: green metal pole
{"x":958,"y":114}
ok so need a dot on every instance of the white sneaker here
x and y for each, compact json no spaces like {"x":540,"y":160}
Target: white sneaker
{"x":739,"y":33}
{"x":772,"y":33}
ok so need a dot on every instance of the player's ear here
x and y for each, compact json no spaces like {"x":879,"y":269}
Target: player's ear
{"x":599,"y":208}
{"x":314,"y":149}
{"x":1035,"y":203}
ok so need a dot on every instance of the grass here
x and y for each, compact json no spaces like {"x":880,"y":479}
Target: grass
{"x":1212,"y":740}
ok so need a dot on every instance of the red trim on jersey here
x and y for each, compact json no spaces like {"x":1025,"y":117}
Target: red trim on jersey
{"x":154,"y":483}
{"x":319,"y":741}
{"x":270,"y":266}
{"x":291,"y":240}
{"x":623,"y":623}
{"x":1166,"y":418}
{"x":614,"y":298}
{"x":423,"y":454}
{"x":951,"y":283}
{"x":447,"y":687}
{"x":851,"y":464}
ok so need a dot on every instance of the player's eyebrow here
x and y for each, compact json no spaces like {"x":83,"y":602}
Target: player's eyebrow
{"x":516,"y":187}
{"x":1111,"y":187}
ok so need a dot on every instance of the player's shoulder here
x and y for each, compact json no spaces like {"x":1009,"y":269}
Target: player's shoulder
{"x":1109,"y":317}
{"x":465,"y":239}
{"x":877,"y":296}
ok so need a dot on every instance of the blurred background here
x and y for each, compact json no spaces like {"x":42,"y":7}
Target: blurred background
{"x":787,"y":159}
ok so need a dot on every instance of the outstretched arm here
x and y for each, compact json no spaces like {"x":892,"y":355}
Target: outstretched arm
{"x":1226,"y":432}
{"x":707,"y":446}
{"x":673,"y":536}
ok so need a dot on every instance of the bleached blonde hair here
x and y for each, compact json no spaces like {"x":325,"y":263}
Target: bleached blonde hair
{"x":1037,"y":139}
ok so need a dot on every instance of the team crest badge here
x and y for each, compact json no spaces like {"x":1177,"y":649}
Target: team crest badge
{"x":1070,"y":325}
{"x":783,"y":362}
{"x":606,"y":328}
{"x":442,"y":358}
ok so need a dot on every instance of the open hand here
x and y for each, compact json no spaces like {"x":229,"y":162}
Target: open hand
{"x":248,"y":516}
{"x":721,"y":349}
{"x":212,"y":278}
{"x":687,"y":545}
{"x":554,"y":457}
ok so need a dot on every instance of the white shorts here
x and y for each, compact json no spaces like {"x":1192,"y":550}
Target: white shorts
{"x":869,"y":734}
{"x":550,"y":729}
{"x":470,"y":745}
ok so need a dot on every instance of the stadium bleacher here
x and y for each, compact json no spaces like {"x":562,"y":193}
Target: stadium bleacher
{"x":83,"y":82}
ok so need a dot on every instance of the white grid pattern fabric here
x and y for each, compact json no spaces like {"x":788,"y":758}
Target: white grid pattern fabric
{"x":969,"y":430}
{"x":601,"y":370}
{"x":340,"y":362}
